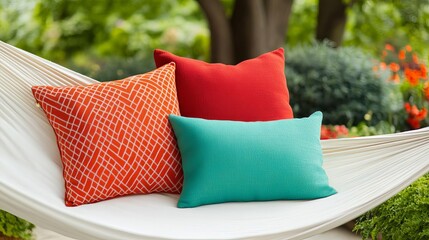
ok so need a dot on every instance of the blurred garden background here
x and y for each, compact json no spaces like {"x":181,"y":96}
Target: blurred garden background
{"x":362,"y":62}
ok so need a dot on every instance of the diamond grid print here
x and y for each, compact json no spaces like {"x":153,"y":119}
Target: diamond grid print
{"x":114,"y":138}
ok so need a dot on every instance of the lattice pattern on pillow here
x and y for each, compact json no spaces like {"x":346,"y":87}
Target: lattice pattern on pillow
{"x":114,"y":138}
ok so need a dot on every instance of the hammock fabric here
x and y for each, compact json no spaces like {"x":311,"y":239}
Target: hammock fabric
{"x":366,"y":171}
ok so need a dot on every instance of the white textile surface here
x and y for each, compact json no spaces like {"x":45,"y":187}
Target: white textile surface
{"x":365,"y":171}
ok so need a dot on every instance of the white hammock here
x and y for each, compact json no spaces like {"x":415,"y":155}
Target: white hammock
{"x":366,"y":171}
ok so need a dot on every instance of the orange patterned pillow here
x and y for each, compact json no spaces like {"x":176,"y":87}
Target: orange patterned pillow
{"x":114,"y":137}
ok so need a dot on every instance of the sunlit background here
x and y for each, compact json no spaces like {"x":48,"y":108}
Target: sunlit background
{"x":92,"y":35}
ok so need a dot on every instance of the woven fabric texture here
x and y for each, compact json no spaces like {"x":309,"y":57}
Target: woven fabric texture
{"x":114,"y":138}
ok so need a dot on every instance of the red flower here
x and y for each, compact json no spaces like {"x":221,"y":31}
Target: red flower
{"x":414,"y":124}
{"x":341,"y":130}
{"x":325,"y":133}
{"x":330,"y":132}
{"x":413,"y":76}
{"x":407,"y":107}
{"x":415,"y":116}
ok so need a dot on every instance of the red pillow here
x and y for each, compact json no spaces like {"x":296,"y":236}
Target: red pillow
{"x":253,"y":90}
{"x":114,"y":137}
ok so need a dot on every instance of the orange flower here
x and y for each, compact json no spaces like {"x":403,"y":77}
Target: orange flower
{"x":383,"y":66}
{"x":408,"y":48}
{"x":414,"y":112}
{"x":389,"y":47}
{"x":423,"y":71}
{"x":422,"y":114}
{"x":395,"y":78}
{"x":412,"y":76}
{"x":415,"y":116}
{"x":394,"y":67}
{"x":411,"y":109}
{"x":426,"y":90}
{"x":415,"y":58}
{"x":401,"y":55}
{"x":375,"y":68}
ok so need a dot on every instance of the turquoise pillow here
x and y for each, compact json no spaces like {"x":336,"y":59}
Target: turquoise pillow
{"x":231,"y":161}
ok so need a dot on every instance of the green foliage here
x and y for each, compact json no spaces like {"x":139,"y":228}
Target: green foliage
{"x":110,"y":68}
{"x":372,"y":23}
{"x":60,"y":30}
{"x":302,"y":23}
{"x":405,"y":216}
{"x":364,"y":129}
{"x":340,"y":82}
{"x":105,"y":40}
{"x":12,"y":226}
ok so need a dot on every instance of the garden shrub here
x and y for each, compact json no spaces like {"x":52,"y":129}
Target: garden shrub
{"x":339,"y":82}
{"x":364,"y":129}
{"x":12,"y":226}
{"x":405,"y":216}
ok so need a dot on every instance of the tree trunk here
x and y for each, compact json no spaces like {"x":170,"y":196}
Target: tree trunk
{"x":221,"y":44}
{"x":248,"y":29}
{"x":255,"y":27}
{"x":331,"y":21}
{"x":278,"y":13}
